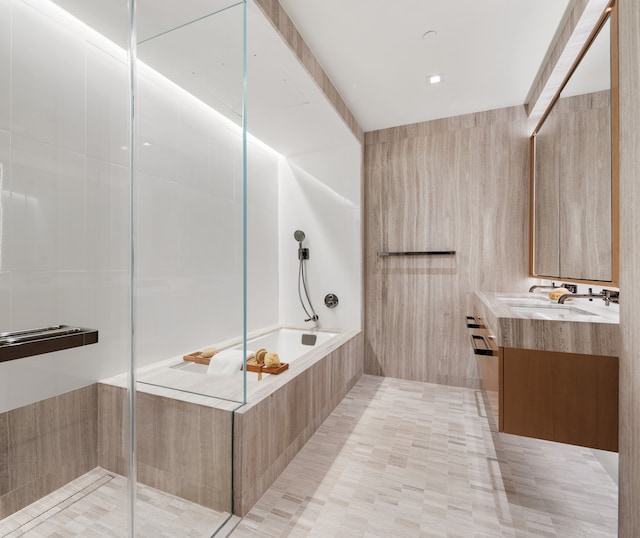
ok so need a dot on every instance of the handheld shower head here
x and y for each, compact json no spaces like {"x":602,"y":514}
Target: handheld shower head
{"x":299,"y":236}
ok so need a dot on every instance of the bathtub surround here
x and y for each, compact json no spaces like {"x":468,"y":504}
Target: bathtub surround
{"x":183,"y":448}
{"x":454,"y":184}
{"x":629,"y":24}
{"x":187,"y":440}
{"x":269,"y":432}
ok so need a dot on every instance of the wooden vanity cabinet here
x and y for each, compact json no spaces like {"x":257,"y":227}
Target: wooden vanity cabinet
{"x":564,"y":397}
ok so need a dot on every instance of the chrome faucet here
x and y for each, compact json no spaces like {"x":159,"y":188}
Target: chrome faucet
{"x":537,"y":286}
{"x":573,"y":288}
{"x":608,"y":296}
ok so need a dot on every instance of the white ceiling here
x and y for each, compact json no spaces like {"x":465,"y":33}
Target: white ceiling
{"x":198,"y":45}
{"x":375,"y":52}
{"x":488,"y":52}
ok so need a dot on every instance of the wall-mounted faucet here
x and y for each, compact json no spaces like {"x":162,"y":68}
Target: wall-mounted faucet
{"x":573,"y":288}
{"x":608,"y":296}
{"x":540,"y":287}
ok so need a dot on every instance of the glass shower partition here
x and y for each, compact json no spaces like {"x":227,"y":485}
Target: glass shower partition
{"x":189,"y":250}
{"x":122,"y":233}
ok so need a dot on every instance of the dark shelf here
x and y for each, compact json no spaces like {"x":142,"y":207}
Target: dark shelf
{"x":21,"y":344}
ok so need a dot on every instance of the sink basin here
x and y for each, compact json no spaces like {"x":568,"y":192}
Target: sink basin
{"x":523,"y":300}
{"x":553,"y":311}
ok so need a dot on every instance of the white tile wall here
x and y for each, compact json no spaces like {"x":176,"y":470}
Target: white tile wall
{"x":332,"y":227}
{"x":108,"y":227}
{"x":5,"y":299}
{"x":65,"y":192}
{"x":107,"y":100}
{"x":47,"y":79}
{"x":263,"y":240}
{"x":6,"y":221}
{"x":5,"y":64}
{"x":49,"y":207}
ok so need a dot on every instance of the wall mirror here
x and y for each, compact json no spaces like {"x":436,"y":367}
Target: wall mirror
{"x":574,"y":169}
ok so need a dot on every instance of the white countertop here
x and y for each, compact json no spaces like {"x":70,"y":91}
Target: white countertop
{"x":533,"y":321}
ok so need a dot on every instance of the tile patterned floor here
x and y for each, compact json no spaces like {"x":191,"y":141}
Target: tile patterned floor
{"x":395,"y":459}
{"x":94,"y":505}
{"x":408,"y":459}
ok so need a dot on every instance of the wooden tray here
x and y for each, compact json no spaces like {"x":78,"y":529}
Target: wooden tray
{"x":197,"y":357}
{"x":253,"y":366}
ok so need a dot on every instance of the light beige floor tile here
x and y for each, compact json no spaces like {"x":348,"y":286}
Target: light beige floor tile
{"x":95,"y":505}
{"x":402,"y":458}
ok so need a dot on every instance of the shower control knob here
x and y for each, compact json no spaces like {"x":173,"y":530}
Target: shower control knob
{"x":330,"y":300}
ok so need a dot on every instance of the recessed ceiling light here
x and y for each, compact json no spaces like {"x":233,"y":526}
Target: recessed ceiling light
{"x":429,"y":34}
{"x":435,"y":79}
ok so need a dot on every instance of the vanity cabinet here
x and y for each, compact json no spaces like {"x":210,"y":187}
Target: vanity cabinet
{"x":565,"y":397}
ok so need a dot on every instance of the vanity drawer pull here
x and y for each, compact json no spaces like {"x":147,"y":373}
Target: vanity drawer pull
{"x":473,"y":322}
{"x":484,"y":348}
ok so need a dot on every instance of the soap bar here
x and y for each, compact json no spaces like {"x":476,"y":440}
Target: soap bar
{"x":208,"y":352}
{"x":557,"y":293}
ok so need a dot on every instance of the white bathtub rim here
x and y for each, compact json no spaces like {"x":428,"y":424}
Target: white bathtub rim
{"x":296,"y":368}
{"x":299,"y":366}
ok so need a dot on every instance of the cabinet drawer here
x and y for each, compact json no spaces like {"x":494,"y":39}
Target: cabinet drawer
{"x":487,"y":355}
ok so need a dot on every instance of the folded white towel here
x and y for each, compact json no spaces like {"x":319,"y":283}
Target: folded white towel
{"x":227,"y":363}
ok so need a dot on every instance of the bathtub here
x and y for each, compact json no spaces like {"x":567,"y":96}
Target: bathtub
{"x":213,"y":442}
{"x":292,"y":345}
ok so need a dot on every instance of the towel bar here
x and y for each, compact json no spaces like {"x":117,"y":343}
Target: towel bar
{"x":419,"y":253}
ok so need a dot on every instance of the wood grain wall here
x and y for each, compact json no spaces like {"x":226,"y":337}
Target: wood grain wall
{"x":458,"y":183}
{"x":46,"y":444}
{"x":629,"y":493}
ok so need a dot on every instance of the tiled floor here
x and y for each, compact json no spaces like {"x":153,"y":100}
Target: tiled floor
{"x":407,"y":459}
{"x":395,"y":459}
{"x":95,"y":505}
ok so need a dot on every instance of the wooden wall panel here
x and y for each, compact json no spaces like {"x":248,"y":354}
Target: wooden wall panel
{"x":182,"y":448}
{"x":629,"y":495}
{"x":46,"y":444}
{"x":461,"y":184}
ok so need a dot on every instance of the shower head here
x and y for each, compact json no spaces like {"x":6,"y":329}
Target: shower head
{"x":299,"y":236}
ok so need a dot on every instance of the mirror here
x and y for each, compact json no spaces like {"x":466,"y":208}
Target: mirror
{"x":574,"y":170}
